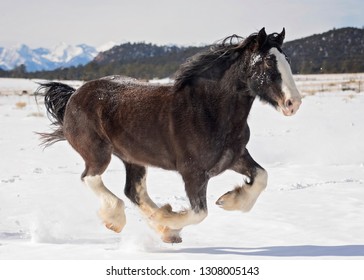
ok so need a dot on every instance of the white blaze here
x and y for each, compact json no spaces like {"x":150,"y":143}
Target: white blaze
{"x":288,"y":85}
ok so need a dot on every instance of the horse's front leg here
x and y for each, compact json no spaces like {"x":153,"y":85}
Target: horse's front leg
{"x":244,"y":197}
{"x":136,"y":191}
{"x":195,"y":186}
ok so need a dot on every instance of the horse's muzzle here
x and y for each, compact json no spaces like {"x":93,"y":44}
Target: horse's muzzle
{"x":290,"y":106}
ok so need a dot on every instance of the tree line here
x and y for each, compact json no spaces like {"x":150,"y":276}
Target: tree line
{"x":335,"y":51}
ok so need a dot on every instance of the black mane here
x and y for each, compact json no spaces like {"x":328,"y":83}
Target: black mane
{"x":224,"y":53}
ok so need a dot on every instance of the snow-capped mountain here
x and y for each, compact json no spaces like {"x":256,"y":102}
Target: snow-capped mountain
{"x":62,"y":55}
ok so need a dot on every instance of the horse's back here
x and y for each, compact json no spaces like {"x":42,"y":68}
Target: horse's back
{"x":114,"y":96}
{"x":133,"y":117}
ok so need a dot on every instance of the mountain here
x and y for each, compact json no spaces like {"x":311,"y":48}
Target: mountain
{"x":129,"y":52}
{"x":336,"y":51}
{"x":41,"y":59}
{"x":140,"y":60}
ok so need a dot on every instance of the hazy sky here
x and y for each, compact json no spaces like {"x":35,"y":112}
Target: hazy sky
{"x":46,"y":23}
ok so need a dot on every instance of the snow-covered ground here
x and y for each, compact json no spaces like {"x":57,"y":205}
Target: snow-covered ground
{"x":10,"y":86}
{"x":313,"y":207}
{"x":311,"y":84}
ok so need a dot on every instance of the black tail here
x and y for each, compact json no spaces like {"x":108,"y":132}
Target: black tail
{"x":56,"y":96}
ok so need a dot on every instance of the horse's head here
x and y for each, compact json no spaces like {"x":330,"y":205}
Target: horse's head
{"x":270,"y":75}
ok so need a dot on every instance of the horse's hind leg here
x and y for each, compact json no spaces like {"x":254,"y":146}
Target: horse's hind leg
{"x":243,"y":198}
{"x":136,"y":191}
{"x":97,"y":155}
{"x":112,"y":208}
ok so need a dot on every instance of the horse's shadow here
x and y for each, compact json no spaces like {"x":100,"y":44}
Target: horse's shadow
{"x":281,"y":251}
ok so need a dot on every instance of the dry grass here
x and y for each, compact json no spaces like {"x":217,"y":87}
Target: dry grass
{"x":36,"y":114}
{"x":20,"y":105}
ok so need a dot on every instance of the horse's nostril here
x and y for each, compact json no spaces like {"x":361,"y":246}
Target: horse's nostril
{"x":289,"y":103}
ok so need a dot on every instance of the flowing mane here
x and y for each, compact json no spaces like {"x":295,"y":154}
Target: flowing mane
{"x":224,"y":53}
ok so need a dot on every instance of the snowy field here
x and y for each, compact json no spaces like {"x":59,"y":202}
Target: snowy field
{"x":313,"y":207}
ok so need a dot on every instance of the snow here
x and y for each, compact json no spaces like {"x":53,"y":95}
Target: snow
{"x":11,"y":86}
{"x":63,"y":52}
{"x":311,"y":84}
{"x":313,"y":207}
{"x":11,"y":57}
{"x":61,"y":55}
{"x":164,"y":81}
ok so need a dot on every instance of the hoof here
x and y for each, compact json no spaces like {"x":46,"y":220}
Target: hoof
{"x":113,"y":227}
{"x":172,"y":239}
{"x":238,"y":199}
{"x":170,"y":235}
{"x":230,"y":200}
{"x":114,"y":217}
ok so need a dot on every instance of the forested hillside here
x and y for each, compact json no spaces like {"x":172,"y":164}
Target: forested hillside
{"x":335,"y":51}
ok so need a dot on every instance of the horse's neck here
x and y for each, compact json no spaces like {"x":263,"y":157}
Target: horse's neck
{"x":224,"y":94}
{"x":231,"y":92}
{"x":227,"y":100}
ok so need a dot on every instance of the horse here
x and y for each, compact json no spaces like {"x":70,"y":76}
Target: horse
{"x":196,"y":126}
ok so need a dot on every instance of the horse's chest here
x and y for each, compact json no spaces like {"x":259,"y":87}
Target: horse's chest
{"x":237,"y":137}
{"x":229,"y":151}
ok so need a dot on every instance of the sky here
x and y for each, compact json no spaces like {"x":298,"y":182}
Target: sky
{"x":46,"y":23}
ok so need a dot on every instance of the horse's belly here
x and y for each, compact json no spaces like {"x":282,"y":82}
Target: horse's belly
{"x":144,"y":153}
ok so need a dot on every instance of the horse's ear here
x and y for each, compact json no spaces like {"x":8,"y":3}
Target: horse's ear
{"x":261,"y":38}
{"x":281,"y":37}
{"x":283,"y":33}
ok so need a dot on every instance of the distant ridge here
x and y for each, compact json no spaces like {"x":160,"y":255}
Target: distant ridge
{"x":335,"y":51}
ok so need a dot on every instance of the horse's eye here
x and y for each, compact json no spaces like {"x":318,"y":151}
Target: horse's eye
{"x":270,"y":62}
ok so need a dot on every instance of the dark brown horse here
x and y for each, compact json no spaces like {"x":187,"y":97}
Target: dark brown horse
{"x":197,"y":126}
